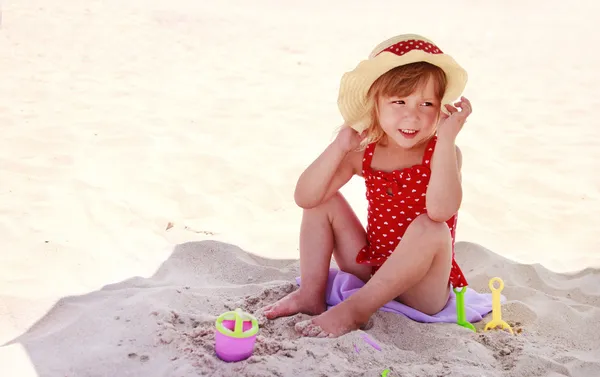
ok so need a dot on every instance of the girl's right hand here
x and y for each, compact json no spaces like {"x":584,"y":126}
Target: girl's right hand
{"x":348,"y":139}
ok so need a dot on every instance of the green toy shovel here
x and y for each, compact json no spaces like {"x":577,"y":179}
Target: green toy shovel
{"x":461,"y":318}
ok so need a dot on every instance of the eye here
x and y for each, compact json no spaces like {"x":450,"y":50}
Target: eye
{"x":428,"y":103}
{"x":398,"y":102}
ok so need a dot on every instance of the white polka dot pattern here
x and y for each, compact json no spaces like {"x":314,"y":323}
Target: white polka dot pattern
{"x":403,"y":47}
{"x":395,"y":200}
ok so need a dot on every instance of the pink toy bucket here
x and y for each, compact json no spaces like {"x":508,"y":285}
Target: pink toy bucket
{"x":235,"y":335}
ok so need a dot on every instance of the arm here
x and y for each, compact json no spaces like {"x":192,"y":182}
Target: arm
{"x":324,"y":177}
{"x":444,"y":193}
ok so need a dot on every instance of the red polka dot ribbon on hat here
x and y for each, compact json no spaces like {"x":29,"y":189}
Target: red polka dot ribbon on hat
{"x":403,"y":47}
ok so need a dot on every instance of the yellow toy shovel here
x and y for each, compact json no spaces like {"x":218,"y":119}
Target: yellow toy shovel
{"x":496,"y":313}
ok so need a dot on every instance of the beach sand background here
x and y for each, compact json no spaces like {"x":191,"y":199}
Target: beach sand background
{"x":150,"y":150}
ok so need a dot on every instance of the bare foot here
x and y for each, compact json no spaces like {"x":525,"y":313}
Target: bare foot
{"x":308,"y":328}
{"x":337,"y":321}
{"x":296,"y":302}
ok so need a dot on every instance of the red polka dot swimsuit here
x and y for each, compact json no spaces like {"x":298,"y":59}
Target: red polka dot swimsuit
{"x":389,"y":215}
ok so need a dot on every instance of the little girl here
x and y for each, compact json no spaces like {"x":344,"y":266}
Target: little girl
{"x":399,"y":135}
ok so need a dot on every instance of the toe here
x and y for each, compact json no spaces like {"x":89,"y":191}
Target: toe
{"x":282,"y":308}
{"x":308,"y":328}
{"x":279,"y":309}
{"x":268,"y":311}
{"x":302,"y":325}
{"x":312,"y":331}
{"x":324,"y":334}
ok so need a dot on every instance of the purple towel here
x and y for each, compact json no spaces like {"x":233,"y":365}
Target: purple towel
{"x":342,"y":285}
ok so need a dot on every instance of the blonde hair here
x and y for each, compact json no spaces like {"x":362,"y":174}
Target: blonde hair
{"x":400,"y":81}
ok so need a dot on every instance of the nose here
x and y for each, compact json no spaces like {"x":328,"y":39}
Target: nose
{"x":411,"y":112}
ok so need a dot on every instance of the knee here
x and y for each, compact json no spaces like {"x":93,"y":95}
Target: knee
{"x":434,"y":231}
{"x":326,"y":206}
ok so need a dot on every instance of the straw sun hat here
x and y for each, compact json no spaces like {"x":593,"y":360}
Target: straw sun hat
{"x":389,"y":54}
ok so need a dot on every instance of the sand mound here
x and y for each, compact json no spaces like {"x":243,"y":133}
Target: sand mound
{"x":164,"y":325}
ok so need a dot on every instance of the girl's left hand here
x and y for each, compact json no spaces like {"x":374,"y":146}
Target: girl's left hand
{"x":450,"y":125}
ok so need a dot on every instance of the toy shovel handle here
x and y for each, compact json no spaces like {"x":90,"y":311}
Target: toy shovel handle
{"x":460,"y":304}
{"x":500,"y":285}
{"x":461,"y":318}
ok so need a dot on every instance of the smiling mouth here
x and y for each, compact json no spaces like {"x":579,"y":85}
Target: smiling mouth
{"x":408,"y":132}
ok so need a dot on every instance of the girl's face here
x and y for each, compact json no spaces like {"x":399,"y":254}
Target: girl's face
{"x":412,"y":119}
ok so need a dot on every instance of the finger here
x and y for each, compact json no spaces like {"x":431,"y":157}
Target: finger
{"x":469,"y":107}
{"x":466,"y":102}
{"x":466,"y":109}
{"x":451,"y":109}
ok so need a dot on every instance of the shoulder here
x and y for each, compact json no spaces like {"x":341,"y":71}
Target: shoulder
{"x":357,"y":158}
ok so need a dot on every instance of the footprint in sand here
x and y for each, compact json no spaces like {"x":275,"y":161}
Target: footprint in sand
{"x":134,"y":355}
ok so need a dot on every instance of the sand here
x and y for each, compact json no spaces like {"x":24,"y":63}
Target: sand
{"x":150,"y":151}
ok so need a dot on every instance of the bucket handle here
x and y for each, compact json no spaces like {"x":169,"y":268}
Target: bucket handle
{"x":238,"y":331}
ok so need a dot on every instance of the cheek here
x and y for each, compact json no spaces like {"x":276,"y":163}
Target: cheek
{"x":391,"y":113}
{"x":387,"y":116}
{"x":431,"y":118}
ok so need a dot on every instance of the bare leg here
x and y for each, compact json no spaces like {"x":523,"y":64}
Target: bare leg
{"x":331,"y":225}
{"x":416,"y":274}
